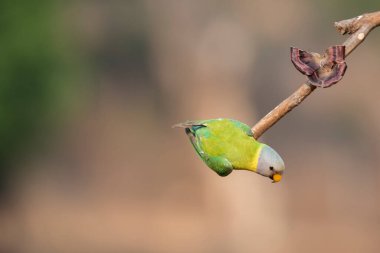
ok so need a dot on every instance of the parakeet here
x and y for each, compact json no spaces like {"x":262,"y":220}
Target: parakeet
{"x":227,"y":144}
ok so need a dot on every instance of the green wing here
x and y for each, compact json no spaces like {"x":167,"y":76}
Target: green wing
{"x":218,"y":164}
{"x":223,"y":144}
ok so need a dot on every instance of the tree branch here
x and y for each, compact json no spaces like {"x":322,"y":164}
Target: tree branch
{"x":358,"y":28}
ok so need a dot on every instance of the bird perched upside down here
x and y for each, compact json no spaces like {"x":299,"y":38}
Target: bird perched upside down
{"x":226,"y":145}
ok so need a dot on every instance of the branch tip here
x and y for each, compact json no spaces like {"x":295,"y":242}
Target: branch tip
{"x":358,"y":28}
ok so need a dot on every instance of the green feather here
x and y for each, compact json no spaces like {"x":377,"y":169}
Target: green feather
{"x":224,"y":144}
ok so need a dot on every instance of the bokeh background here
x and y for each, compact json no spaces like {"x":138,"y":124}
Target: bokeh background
{"x":89,"y":162}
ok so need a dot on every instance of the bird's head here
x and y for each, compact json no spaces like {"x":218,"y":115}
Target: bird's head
{"x":270,"y":164}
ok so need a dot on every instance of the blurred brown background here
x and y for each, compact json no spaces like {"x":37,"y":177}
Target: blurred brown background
{"x":89,"y":162}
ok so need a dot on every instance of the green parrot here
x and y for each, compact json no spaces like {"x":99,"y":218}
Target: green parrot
{"x":227,"y":144}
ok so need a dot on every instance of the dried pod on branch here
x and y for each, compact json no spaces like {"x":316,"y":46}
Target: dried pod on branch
{"x":321,"y":70}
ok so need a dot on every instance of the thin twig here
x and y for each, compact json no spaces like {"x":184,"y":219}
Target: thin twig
{"x":358,"y":28}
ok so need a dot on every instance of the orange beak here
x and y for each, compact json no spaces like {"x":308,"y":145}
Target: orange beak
{"x":276,"y":178}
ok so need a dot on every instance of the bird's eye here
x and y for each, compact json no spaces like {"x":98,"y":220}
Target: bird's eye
{"x":271,"y":168}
